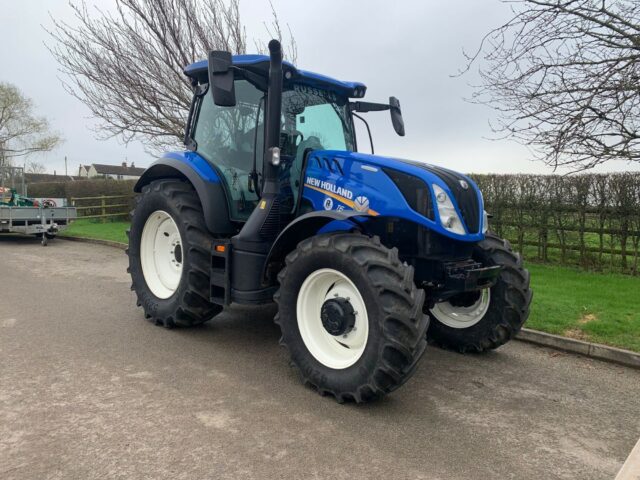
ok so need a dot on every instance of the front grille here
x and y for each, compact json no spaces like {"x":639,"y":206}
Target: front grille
{"x":414,"y":190}
{"x":467,"y":200}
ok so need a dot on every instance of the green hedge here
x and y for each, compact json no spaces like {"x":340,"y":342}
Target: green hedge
{"x":589,"y":220}
{"x":48,"y":189}
{"x":84,"y":188}
{"x":75,"y":192}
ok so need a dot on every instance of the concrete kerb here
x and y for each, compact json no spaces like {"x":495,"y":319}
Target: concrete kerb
{"x":96,"y":241}
{"x":588,"y":349}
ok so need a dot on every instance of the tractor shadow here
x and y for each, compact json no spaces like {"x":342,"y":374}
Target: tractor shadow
{"x":250,"y":337}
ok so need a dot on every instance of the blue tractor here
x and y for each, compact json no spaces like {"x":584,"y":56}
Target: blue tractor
{"x":367,"y":257}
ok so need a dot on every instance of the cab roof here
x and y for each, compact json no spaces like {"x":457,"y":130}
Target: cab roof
{"x":260,"y":64}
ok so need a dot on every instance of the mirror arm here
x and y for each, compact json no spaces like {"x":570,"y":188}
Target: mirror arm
{"x":364,"y":107}
{"x":258,"y":81}
{"x":368,"y":130}
{"x":198,"y":91}
{"x":187,"y":129}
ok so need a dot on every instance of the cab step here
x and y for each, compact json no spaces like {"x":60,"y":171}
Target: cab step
{"x":220,"y":281}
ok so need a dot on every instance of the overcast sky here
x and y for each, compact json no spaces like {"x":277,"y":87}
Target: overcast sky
{"x":408,"y":49}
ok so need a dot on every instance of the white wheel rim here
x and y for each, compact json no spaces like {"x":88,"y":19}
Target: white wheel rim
{"x":463,"y":317}
{"x":161,"y":254}
{"x":337,"y":352}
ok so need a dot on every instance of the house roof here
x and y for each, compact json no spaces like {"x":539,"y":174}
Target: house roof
{"x":103,"y":169}
{"x":260,"y":64}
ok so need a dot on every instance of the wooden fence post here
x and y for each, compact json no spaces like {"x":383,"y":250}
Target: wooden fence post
{"x":544,"y":234}
{"x":103,"y":203}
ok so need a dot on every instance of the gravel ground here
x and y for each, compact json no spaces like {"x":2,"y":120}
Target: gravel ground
{"x":89,"y":389}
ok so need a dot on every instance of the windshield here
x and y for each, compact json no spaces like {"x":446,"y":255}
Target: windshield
{"x":314,"y":118}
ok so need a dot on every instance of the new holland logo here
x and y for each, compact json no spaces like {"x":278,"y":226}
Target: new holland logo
{"x":361,"y":204}
{"x":339,"y":197}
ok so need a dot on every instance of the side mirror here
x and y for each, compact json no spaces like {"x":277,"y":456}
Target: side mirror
{"x":396,"y":116}
{"x":221,"y":78}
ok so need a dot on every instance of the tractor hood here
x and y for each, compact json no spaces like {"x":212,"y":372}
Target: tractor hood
{"x":438,"y":198}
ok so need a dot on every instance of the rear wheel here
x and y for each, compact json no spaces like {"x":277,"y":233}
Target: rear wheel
{"x":351,"y":316}
{"x":169,"y":251}
{"x":484,"y":320}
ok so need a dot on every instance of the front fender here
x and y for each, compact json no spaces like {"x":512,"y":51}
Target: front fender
{"x":306,"y":226}
{"x":205,"y":180}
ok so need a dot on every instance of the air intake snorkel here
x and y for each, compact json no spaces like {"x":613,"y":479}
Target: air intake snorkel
{"x":272,"y":124}
{"x":263,"y":224}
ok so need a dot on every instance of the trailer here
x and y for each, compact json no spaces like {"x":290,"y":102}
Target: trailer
{"x":42,"y":221}
{"x":43,"y":217}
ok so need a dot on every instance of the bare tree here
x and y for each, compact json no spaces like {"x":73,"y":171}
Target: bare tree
{"x":564,"y":76}
{"x":36,"y":167}
{"x":127,"y":66}
{"x":21,"y":131}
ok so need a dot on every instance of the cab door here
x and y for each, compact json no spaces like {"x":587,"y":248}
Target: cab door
{"x":232,"y":139}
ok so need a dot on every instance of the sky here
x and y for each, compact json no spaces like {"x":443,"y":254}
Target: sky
{"x":409,"y":49}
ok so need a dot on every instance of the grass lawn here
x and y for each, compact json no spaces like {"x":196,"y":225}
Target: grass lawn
{"x":602,"y":308}
{"x":114,"y":231}
{"x":597,"y":307}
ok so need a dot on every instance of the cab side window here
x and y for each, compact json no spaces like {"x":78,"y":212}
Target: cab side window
{"x":226,"y":136}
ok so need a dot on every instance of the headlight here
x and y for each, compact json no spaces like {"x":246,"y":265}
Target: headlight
{"x":448,"y":216}
{"x":485,"y":221}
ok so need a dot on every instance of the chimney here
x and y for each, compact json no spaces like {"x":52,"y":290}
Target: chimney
{"x":124,"y":164}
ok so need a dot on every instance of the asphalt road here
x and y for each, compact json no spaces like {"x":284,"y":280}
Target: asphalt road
{"x":89,"y":389}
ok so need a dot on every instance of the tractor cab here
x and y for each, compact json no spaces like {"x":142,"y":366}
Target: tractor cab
{"x":315,"y":115}
{"x":232,"y":138}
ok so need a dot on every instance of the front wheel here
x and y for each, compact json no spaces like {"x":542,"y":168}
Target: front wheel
{"x":169,"y":252}
{"x":487,"y":319}
{"x":351,"y":316}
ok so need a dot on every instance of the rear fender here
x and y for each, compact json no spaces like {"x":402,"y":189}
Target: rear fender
{"x":192,"y":167}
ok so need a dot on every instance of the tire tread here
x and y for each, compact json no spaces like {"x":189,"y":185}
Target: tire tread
{"x":194,"y":307}
{"x":401,"y":303}
{"x":518,"y":295}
